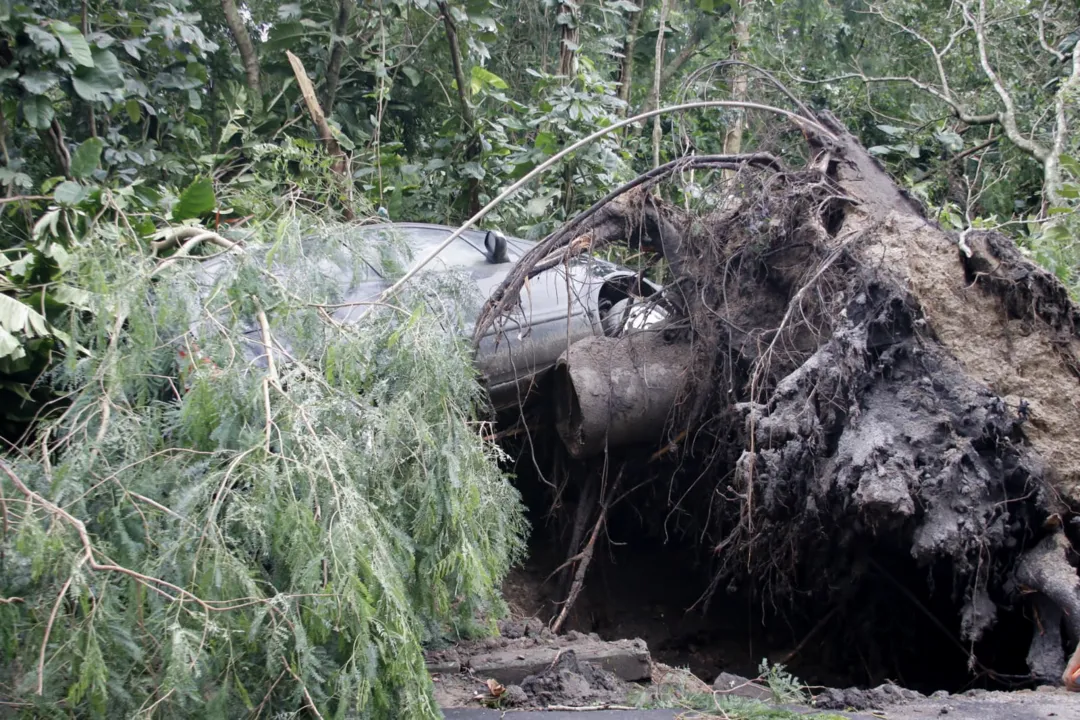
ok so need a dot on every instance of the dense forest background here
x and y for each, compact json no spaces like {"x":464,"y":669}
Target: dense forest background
{"x":184,"y":110}
{"x":124,"y":124}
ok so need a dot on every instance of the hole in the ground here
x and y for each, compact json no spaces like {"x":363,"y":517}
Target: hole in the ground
{"x":894,"y":623}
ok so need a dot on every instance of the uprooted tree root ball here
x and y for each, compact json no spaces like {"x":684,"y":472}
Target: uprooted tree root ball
{"x":860,"y":387}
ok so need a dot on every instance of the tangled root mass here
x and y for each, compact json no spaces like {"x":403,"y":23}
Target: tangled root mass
{"x":827,"y":418}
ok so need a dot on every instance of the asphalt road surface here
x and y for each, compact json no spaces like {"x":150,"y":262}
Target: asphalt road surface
{"x":480,"y":714}
{"x":1023,"y":705}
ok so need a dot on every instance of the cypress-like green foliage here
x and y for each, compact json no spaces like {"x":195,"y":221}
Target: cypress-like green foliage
{"x":198,"y":533}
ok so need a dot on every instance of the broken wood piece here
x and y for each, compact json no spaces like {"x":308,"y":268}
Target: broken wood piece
{"x":627,"y":659}
{"x":326,"y":134}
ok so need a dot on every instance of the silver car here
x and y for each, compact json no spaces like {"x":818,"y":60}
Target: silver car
{"x":574,"y":305}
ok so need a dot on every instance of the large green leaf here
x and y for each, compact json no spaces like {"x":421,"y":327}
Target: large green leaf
{"x":134,"y":112}
{"x":38,"y":111}
{"x":46,"y":42}
{"x":69,"y":193}
{"x":16,"y":316}
{"x":93,"y":85}
{"x":481,"y":78}
{"x":86,"y":157}
{"x":69,"y":295}
{"x":197,"y":199}
{"x":286,"y":35}
{"x":412,"y":73}
{"x":39,"y":83}
{"x":10,"y":345}
{"x":74,"y":43}
{"x":109,"y":66}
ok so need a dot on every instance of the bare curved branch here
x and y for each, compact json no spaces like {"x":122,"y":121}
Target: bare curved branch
{"x":817,"y":127}
{"x":1008,"y":115}
{"x":1040,"y":18}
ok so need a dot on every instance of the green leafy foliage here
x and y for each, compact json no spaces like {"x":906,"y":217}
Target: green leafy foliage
{"x":85,"y":159}
{"x":197,"y":199}
{"x":289,"y":538}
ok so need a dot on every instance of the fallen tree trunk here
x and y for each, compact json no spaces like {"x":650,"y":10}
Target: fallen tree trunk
{"x":861,"y":379}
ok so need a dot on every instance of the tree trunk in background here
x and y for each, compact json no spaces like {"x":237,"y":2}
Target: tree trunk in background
{"x":472,"y":146}
{"x":244,"y":45}
{"x":567,"y":19}
{"x":658,"y":67}
{"x":689,"y":49}
{"x":53,"y":139}
{"x":733,"y":136}
{"x":626,"y":65}
{"x":337,"y":54}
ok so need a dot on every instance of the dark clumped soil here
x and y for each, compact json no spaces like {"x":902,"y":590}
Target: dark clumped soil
{"x":570,"y":682}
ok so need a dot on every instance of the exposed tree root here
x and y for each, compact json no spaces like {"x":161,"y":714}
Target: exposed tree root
{"x":608,"y":496}
{"x":857,"y":382}
{"x":1046,"y":570}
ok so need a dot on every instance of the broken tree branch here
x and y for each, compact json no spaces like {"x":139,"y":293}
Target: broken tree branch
{"x":586,"y":556}
{"x":185,"y":250}
{"x":543,"y":256}
{"x":568,"y":234}
{"x":722,"y":64}
{"x":326,"y":133}
{"x":171,"y":236}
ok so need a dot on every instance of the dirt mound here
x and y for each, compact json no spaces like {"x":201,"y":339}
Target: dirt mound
{"x":1009,"y":324}
{"x":871,"y":699}
{"x":530,"y":667}
{"x":571,"y":682}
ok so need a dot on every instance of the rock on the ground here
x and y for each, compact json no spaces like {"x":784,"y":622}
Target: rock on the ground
{"x":531,"y":627}
{"x":441,"y":662}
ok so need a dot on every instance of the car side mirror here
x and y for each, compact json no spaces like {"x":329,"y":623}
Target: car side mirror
{"x":496,"y":247}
